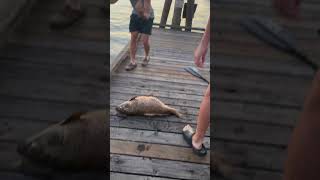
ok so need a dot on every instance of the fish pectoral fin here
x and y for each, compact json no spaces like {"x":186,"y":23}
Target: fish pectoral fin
{"x":73,"y":117}
{"x":152,"y":114}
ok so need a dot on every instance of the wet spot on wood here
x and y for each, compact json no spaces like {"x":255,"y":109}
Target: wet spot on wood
{"x":141,"y":147}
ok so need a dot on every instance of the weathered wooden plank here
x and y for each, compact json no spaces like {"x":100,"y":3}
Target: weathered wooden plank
{"x":250,"y":155}
{"x":155,"y":87}
{"x":43,"y":71}
{"x":72,"y":59}
{"x":41,"y":110}
{"x":17,"y":129}
{"x":61,"y":43}
{"x":258,"y":113}
{"x":252,"y":133}
{"x":54,"y":91}
{"x":150,"y":84}
{"x":166,"y":60}
{"x":307,"y":5}
{"x":157,"y":167}
{"x":161,"y":124}
{"x":252,"y":174}
{"x":285,"y":66}
{"x":17,"y":176}
{"x":233,"y":25}
{"x":154,"y":137}
{"x":165,"y":79}
{"x":259,"y":87}
{"x":157,"y":151}
{"x":156,"y":70}
{"x":122,"y":176}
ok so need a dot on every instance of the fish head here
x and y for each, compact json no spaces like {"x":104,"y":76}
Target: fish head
{"x":44,"y":146}
{"x":125,"y":107}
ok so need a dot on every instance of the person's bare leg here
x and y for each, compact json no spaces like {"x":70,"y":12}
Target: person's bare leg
{"x":303,"y":151}
{"x":146,"y":44}
{"x":203,"y":121}
{"x":74,"y":4}
{"x":133,"y":47}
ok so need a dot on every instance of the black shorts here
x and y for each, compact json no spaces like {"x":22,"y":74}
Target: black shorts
{"x":141,"y":25}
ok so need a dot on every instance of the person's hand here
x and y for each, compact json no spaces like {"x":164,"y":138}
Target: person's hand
{"x":287,"y":8}
{"x":200,"y":55}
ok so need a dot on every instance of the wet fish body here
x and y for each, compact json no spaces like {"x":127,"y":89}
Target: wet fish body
{"x":146,"y":106}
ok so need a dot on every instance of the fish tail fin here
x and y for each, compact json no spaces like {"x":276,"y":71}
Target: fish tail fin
{"x":175,"y":112}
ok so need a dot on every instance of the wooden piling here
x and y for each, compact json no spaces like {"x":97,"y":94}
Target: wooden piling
{"x":165,"y":13}
{"x":190,"y":6}
{"x":176,"y":19}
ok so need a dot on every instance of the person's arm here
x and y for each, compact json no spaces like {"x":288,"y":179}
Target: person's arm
{"x":201,"y":50}
{"x":206,"y":36}
{"x":147,"y":8}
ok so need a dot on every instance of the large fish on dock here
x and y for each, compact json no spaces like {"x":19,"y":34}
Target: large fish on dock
{"x":79,"y":142}
{"x":146,"y":106}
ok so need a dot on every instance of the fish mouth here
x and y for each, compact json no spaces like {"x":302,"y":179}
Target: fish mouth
{"x":30,"y":150}
{"x":119,"y":109}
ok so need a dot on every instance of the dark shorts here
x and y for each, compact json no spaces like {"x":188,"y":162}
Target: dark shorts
{"x":141,"y":25}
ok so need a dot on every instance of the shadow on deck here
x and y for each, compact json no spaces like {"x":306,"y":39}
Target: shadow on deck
{"x":46,"y":75}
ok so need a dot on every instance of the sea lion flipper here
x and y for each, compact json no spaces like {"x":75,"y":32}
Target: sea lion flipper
{"x":73,"y":117}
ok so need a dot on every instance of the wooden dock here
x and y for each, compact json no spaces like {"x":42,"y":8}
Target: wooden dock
{"x":46,"y":75}
{"x":258,"y":91}
{"x":153,"y":147}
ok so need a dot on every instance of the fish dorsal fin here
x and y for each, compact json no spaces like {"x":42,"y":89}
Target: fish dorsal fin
{"x":149,"y":95}
{"x":75,"y":116}
{"x":133,"y":98}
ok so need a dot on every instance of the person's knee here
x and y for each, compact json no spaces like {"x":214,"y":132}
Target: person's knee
{"x":134,"y":36}
{"x":145,"y":41}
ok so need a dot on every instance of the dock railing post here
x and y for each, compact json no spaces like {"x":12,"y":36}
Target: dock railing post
{"x":189,"y":15}
{"x":176,"y":19}
{"x":165,"y":13}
